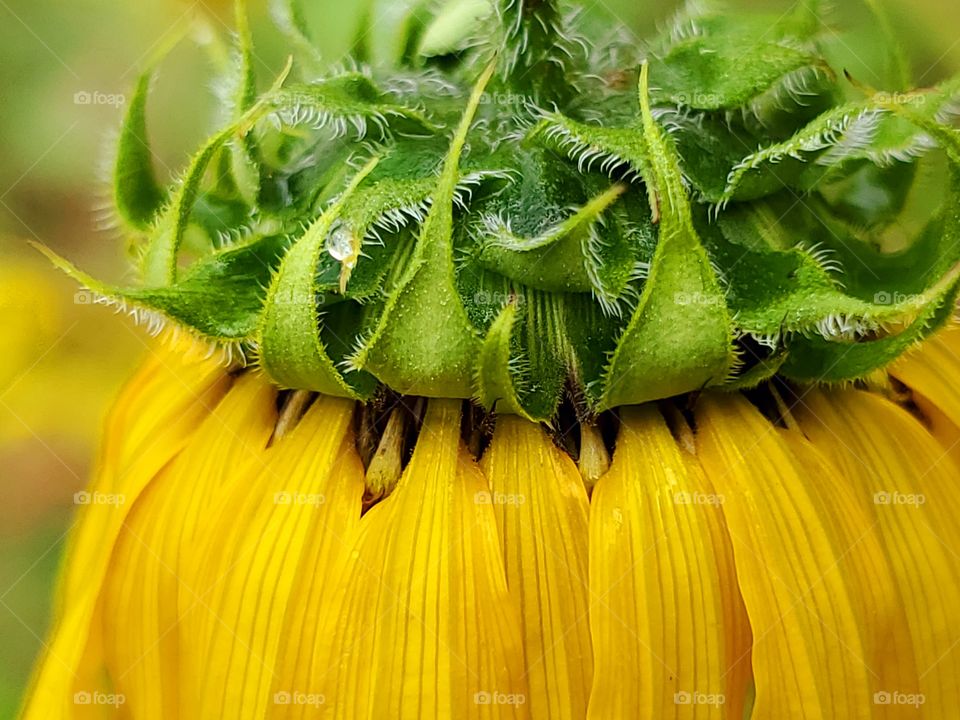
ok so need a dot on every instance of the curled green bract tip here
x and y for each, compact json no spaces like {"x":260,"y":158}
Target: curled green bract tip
{"x":503,"y":216}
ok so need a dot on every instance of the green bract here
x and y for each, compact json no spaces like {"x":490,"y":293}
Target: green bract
{"x":514,"y":204}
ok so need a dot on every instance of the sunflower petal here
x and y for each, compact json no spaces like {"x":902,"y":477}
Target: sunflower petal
{"x":666,"y":633}
{"x":808,"y":657}
{"x":422,"y":625}
{"x":884,"y":630}
{"x":249,"y":569}
{"x":933,"y":374}
{"x":903,"y":476}
{"x":158,"y":410}
{"x":143,"y":583}
{"x":290,"y":696}
{"x":542,"y":512}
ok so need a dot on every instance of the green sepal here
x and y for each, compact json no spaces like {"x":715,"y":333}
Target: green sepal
{"x":242,"y":153}
{"x":679,"y":338}
{"x":347,"y":101}
{"x":159,"y":260}
{"x":292,"y":352}
{"x":774,"y":288}
{"x":289,"y":18}
{"x":453,"y":27}
{"x":747,"y":378}
{"x":532,"y":53}
{"x":723,"y":61}
{"x":495,"y":384}
{"x":815,"y":359}
{"x":559,"y":257}
{"x":137,"y":195}
{"x":871,"y":130}
{"x":606,"y":148}
{"x":521,"y":369}
{"x":710,"y":147}
{"x":424,"y":343}
{"x":926,"y":275}
{"x":220,"y":297}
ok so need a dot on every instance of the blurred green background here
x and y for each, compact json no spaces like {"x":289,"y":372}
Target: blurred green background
{"x":63,"y":69}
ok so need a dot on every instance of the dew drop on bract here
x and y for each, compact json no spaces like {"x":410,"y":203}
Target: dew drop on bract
{"x":339,"y":242}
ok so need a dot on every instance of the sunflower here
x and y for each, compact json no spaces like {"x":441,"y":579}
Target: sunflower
{"x":528,"y":374}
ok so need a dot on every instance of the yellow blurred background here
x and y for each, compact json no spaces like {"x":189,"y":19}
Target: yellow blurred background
{"x":64,"y":67}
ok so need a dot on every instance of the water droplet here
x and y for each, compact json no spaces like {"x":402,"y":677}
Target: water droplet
{"x":340,"y":242}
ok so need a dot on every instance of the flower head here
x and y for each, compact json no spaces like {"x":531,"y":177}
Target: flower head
{"x":525,"y":391}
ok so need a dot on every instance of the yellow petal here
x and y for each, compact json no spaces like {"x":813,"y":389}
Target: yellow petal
{"x":542,"y":512}
{"x":808,"y":656}
{"x":669,"y":633}
{"x":324,"y":554}
{"x":910,"y":487}
{"x":883,"y":627}
{"x":153,"y":419}
{"x":272,"y":522}
{"x":422,"y":625}
{"x":143,"y":583}
{"x":932,"y":372}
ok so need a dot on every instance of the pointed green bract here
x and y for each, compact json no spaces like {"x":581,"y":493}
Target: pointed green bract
{"x":719,"y":60}
{"x":425,"y":343}
{"x":521,"y":368}
{"x":137,"y":194}
{"x":291,"y":350}
{"x":679,"y":338}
